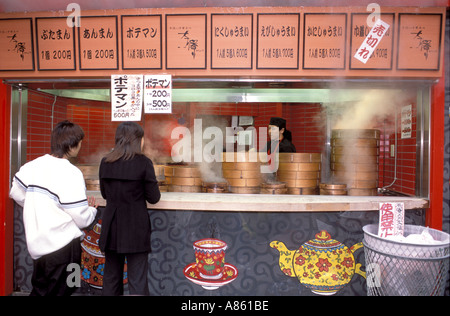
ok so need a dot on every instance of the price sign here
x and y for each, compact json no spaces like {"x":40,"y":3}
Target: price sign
{"x":158,"y":94}
{"x":126,"y":97}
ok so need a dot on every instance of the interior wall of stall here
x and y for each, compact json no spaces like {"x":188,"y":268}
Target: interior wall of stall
{"x":306,"y":121}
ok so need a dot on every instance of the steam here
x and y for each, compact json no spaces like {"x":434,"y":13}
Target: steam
{"x":211,"y":170}
{"x":369,"y":110}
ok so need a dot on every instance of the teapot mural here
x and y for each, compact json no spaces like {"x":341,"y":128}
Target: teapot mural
{"x":323,"y":265}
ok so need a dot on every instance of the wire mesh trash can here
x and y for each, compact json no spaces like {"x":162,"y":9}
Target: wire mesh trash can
{"x":405,"y":269}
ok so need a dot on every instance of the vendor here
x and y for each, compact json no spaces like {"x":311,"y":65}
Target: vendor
{"x":280,"y":141}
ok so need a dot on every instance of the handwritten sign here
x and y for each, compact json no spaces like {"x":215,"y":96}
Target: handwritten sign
{"x":55,"y":44}
{"x":407,"y":118}
{"x":372,"y":40}
{"x":16,"y":44}
{"x":141,"y":42}
{"x":368,"y":50}
{"x":324,"y":40}
{"x":278,"y":41}
{"x":98,"y":42}
{"x":186,"y":41}
{"x":419,"y":43}
{"x":231,"y":41}
{"x":158,"y":94}
{"x":392,"y":219}
{"x":126,"y":97}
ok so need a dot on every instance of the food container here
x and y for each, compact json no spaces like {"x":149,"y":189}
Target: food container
{"x":354,"y":160}
{"x":300,"y":172}
{"x":273,"y":188}
{"x":183,"y":178}
{"x":242,"y":172}
{"x":333,"y":189}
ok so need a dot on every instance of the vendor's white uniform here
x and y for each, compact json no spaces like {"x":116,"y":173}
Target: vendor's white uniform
{"x":52,"y":192}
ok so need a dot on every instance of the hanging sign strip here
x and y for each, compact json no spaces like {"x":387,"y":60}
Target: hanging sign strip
{"x":158,"y":94}
{"x":126,"y":97}
{"x":372,"y":40}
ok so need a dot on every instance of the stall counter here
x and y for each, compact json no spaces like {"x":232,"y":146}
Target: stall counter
{"x":227,"y":202}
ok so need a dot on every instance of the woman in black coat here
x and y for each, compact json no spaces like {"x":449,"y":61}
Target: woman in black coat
{"x":127,"y":182}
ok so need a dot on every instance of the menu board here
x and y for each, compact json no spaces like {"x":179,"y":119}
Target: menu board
{"x":16,"y":44}
{"x":278,"y":41}
{"x":324,"y":40}
{"x":231,"y":41}
{"x":226,"y":42}
{"x":419,"y":41}
{"x":97,"y":38}
{"x":55,"y":44}
{"x":141,"y":41}
{"x":381,"y":57}
{"x":186,"y":41}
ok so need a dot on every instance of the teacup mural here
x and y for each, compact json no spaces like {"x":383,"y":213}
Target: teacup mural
{"x":210,"y":269}
{"x":323,"y":265}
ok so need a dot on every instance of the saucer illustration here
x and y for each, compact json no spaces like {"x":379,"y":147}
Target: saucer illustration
{"x":230,"y":273}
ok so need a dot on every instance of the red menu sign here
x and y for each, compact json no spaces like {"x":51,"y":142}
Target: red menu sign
{"x":186,"y":41}
{"x":98,"y":42}
{"x":278,"y":41}
{"x":231,"y":41}
{"x":381,"y":58}
{"x":55,"y":44}
{"x":141,"y":42}
{"x":16,"y":44}
{"x":325,"y":36}
{"x":419,"y":41}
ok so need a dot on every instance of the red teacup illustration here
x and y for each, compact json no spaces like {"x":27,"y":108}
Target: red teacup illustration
{"x":210,"y":257}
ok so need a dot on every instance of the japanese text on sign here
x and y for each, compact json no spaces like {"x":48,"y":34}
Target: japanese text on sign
{"x":126,"y":97}
{"x":158,"y":94}
{"x":392,"y":218}
{"x":371,"y":42}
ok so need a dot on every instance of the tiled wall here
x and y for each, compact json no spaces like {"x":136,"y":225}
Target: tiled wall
{"x":307,"y":122}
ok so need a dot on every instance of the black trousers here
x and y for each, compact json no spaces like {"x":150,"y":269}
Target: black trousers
{"x":50,"y":271}
{"x":137,"y":269}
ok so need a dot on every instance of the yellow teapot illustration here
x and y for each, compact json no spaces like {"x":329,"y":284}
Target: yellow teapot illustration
{"x":323,"y":265}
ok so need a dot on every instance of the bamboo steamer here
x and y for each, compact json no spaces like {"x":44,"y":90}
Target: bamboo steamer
{"x":183,"y":178}
{"x":242,"y":171}
{"x":303,"y":191}
{"x":89,"y":171}
{"x":92,"y":184}
{"x":354,"y":159}
{"x":90,"y":175}
{"x":333,"y":189}
{"x":273,"y":188}
{"x":215,"y":187}
{"x":300,"y":172}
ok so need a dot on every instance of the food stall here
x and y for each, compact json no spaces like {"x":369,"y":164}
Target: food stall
{"x":363,"y":101}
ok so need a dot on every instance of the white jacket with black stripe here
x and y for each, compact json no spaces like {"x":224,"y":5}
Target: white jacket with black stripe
{"x":52,"y":193}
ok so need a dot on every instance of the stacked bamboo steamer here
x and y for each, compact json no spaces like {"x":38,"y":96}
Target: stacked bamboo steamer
{"x":90,"y":175}
{"x":159,"y":173}
{"x":354,"y":159}
{"x":183,"y":178}
{"x":300,"y":172}
{"x":242,"y":172}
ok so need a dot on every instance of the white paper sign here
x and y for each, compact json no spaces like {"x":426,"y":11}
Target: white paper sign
{"x":392,"y":219}
{"x":126,"y":97}
{"x":158,"y":94}
{"x":372,"y":40}
{"x":406,"y":121}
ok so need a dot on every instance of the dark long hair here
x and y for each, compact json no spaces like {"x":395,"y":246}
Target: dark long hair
{"x":128,"y":142}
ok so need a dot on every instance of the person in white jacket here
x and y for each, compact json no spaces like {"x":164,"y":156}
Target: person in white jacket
{"x":52,"y":193}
